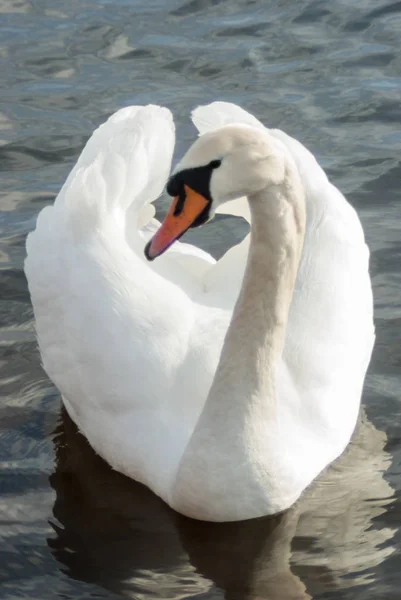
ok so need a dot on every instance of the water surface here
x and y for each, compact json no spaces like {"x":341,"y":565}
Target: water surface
{"x":327,"y":73}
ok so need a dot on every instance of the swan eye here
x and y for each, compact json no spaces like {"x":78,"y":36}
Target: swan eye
{"x":214,"y":164}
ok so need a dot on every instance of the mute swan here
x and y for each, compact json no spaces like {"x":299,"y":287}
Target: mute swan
{"x":224,"y":387}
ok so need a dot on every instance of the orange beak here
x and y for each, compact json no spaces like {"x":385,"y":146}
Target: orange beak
{"x":174,"y":226}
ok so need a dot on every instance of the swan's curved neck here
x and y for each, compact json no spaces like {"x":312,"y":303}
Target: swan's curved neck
{"x":236,"y":433}
{"x":255,"y":338}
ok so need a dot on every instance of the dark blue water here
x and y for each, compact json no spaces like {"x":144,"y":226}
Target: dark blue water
{"x":328,"y":73}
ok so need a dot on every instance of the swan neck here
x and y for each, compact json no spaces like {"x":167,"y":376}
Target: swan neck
{"x":255,"y":338}
{"x":234,"y":436}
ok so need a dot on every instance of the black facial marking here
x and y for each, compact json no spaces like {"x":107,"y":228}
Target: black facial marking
{"x":180,"y":202}
{"x":198,"y":179}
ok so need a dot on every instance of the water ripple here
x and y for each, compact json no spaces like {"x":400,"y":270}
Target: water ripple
{"x":327,"y":73}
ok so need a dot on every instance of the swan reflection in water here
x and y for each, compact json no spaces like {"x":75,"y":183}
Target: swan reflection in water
{"x":115,"y":533}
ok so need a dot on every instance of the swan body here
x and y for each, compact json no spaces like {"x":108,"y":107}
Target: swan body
{"x":226,"y":403}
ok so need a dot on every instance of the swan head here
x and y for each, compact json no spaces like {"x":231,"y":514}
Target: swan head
{"x":224,"y":164}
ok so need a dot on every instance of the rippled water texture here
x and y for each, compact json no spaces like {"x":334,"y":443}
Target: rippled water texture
{"x":328,"y":73}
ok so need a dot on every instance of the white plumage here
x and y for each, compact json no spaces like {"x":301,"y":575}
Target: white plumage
{"x":133,"y":346}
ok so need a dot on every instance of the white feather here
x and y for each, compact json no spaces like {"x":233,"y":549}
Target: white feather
{"x":133,"y":346}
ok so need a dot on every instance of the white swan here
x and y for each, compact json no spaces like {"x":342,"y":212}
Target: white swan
{"x":220,"y":432}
